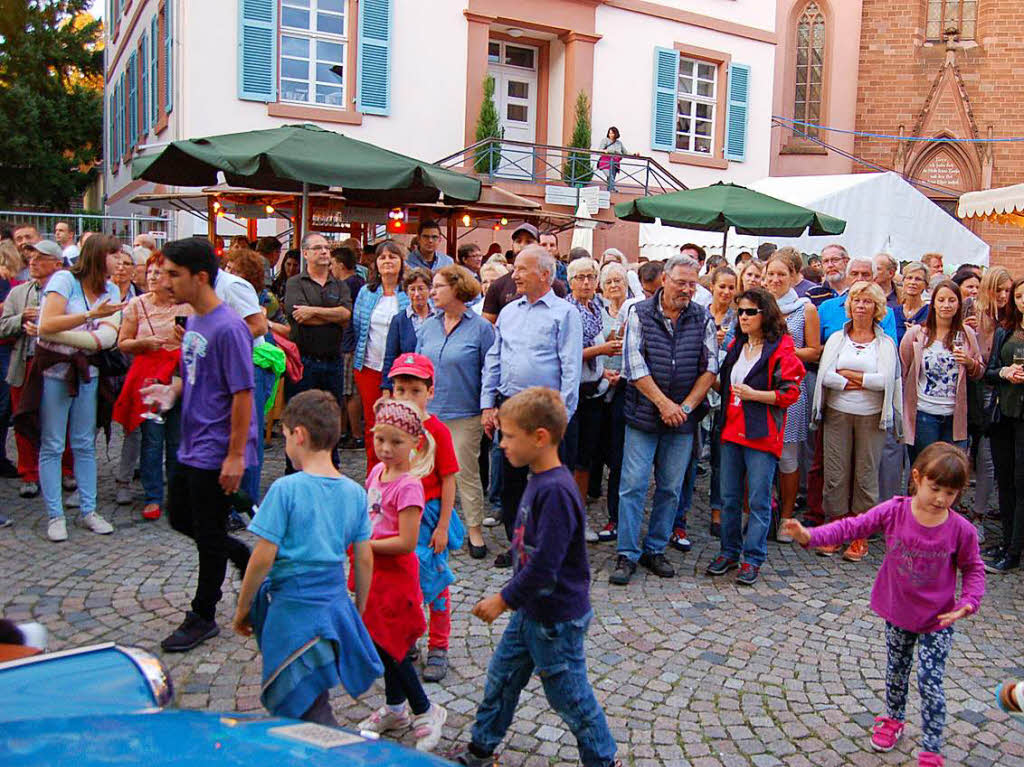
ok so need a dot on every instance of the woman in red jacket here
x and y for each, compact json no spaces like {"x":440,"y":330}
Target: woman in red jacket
{"x":759,"y":378}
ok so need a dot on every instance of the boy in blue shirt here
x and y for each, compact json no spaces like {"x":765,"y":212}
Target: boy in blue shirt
{"x":549,"y":592}
{"x":293,"y":596}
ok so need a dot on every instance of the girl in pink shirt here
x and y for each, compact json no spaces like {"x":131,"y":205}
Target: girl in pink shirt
{"x":915,"y":591}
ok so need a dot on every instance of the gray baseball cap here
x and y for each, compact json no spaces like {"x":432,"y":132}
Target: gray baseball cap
{"x":48,"y":248}
{"x":529,"y":229}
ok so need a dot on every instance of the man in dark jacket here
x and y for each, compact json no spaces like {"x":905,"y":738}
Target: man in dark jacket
{"x":670,"y":360}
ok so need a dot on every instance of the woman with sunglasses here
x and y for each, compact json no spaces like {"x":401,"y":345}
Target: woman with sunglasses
{"x":759,"y":379}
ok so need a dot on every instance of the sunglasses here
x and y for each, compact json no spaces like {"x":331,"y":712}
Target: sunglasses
{"x":748,"y":312}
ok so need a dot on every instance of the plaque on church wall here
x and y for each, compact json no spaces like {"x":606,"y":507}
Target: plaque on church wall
{"x":944,"y":172}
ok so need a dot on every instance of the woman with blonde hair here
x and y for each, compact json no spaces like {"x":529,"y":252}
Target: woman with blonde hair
{"x":858,"y":397}
{"x":913,"y":309}
{"x":751,"y":276}
{"x":11,"y":262}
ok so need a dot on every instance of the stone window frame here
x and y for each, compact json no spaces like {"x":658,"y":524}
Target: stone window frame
{"x":941,"y":15}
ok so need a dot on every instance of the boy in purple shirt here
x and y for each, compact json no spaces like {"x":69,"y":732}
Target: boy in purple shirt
{"x":549,"y":592}
{"x":218,"y":430}
{"x":915,"y":592}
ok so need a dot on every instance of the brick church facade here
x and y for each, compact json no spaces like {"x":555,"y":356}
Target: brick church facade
{"x":925,"y":69}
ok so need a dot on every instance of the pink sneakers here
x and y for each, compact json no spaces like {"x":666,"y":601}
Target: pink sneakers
{"x":885,"y":733}
{"x":928,"y":759}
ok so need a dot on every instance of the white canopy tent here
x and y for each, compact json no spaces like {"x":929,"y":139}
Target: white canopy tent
{"x":1004,"y":205}
{"x":883,"y":213}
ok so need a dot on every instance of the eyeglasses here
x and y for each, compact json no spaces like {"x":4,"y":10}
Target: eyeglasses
{"x":585,"y":277}
{"x":748,"y":312}
{"x":318,"y":247}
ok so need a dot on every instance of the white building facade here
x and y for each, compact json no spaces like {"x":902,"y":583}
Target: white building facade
{"x":686,"y":82}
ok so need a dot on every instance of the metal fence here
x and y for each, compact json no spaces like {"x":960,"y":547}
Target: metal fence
{"x":125,"y":228}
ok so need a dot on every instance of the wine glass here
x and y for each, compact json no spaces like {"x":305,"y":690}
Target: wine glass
{"x":1018,"y":355}
{"x":959,"y":341}
{"x":152,"y":413}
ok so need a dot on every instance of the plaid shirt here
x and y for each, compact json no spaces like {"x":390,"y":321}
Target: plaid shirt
{"x":634,"y":364}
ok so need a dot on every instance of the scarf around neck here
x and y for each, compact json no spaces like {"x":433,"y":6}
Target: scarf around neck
{"x":789,"y":302}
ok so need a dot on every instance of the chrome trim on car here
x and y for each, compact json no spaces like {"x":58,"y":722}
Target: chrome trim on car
{"x":155,"y":672}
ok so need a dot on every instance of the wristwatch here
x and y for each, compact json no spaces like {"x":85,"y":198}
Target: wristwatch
{"x":687,"y":409}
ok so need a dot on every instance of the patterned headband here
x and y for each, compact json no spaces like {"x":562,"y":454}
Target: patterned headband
{"x":392,"y":412}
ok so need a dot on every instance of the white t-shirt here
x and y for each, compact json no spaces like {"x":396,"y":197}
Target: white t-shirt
{"x":936,"y":383}
{"x":380,"y":323}
{"x":240,"y":295}
{"x":862,"y":358}
{"x":702,"y":297}
{"x":70,"y":253}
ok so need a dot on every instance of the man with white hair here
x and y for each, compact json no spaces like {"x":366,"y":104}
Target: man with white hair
{"x":885,"y":267}
{"x":670,"y":360}
{"x":538,"y":341}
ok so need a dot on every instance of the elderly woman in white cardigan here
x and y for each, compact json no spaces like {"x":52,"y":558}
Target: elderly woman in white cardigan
{"x":858,"y":396}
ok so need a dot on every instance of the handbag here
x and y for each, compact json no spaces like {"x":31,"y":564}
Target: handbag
{"x":608,"y":162}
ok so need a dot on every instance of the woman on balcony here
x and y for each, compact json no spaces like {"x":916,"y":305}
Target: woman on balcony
{"x":613,"y":149}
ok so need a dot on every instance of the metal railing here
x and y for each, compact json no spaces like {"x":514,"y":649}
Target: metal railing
{"x":126,"y":228}
{"x":496,"y":158}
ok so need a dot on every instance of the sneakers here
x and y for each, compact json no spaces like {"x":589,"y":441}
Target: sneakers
{"x":679,"y":541}
{"x":856,"y":551}
{"x":624,"y":569}
{"x":124,"y":494}
{"x":748,"y":574}
{"x":491,"y":521}
{"x":427,"y":727}
{"x":721,"y":565}
{"x":74,"y":501}
{"x":928,"y":759}
{"x":386,"y":720}
{"x":57,"y":530}
{"x":1003,"y":565}
{"x":28,"y":489}
{"x":826,"y":551}
{"x":885,"y":733}
{"x":151,"y":511}
{"x":608,"y":533}
{"x":70,"y":484}
{"x":97,"y":524}
{"x":657,"y":564}
{"x":192,"y":632}
{"x":437,"y":665}
{"x":590,"y":536}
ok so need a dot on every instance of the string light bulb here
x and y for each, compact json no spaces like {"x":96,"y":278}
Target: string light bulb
{"x":504,"y":221}
{"x":270,"y":210}
{"x":466,"y":220}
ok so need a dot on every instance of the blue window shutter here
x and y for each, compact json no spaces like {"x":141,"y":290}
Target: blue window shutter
{"x":120,"y":117}
{"x":154,"y":70}
{"x":132,"y":107}
{"x":169,"y":45}
{"x":736,"y":113}
{"x":144,"y":86}
{"x":373,"y":70}
{"x":113,"y":157}
{"x":663,"y":117}
{"x":257,"y":50}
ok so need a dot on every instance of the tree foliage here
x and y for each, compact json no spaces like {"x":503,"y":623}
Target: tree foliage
{"x":51,"y":101}
{"x":488,"y":125}
{"x":576,"y":170}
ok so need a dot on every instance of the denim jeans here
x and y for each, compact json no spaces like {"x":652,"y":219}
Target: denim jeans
{"x":928,"y":429}
{"x":494,"y":484}
{"x":744,"y":468}
{"x":689,"y":481}
{"x":60,"y":416}
{"x":556,"y":652}
{"x":669,"y":453}
{"x":251,"y":479}
{"x":159,"y":449}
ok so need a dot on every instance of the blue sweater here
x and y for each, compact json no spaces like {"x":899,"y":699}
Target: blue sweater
{"x":401,"y":340}
{"x":551,"y":580}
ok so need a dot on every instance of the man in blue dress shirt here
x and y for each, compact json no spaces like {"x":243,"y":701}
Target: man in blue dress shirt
{"x":538,"y":341}
{"x":426,"y":254}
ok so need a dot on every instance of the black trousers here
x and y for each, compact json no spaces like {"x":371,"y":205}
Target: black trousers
{"x":199,"y":509}
{"x":1008,"y":456}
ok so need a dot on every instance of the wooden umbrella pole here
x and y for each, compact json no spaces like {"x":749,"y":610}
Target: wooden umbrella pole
{"x":725,"y":241}
{"x":211,"y":220}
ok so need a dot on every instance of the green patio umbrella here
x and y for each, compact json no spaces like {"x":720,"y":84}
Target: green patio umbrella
{"x":720,"y":206}
{"x":304,"y":158}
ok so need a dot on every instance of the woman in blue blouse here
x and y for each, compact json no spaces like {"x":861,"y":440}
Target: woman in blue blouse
{"x":456,"y":340}
{"x":913,"y":309}
{"x":405,"y":326}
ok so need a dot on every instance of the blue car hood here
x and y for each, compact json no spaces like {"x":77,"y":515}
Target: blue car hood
{"x":194,"y":738}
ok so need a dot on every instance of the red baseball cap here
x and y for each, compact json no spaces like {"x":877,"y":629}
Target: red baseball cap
{"x":414,"y":365}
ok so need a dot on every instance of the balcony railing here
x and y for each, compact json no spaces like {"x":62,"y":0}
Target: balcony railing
{"x":498,"y":159}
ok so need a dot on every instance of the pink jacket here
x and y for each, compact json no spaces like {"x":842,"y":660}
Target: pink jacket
{"x":911,"y":352}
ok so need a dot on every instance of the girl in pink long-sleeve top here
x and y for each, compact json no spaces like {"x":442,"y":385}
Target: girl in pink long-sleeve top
{"x":915,"y":591}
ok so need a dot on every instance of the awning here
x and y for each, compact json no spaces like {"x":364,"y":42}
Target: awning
{"x":1004,"y":205}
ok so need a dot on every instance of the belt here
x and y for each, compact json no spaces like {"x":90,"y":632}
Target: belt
{"x":321,"y":357}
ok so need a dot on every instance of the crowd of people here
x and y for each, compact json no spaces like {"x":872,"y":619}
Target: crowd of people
{"x":506,"y":389}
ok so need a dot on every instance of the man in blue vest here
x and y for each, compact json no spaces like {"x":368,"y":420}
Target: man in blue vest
{"x":670,"y":358}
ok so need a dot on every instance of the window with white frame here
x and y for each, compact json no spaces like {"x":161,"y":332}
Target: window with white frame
{"x":696,"y":104}
{"x":312,"y":51}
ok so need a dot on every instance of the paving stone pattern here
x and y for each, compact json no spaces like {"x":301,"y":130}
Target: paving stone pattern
{"x":690,"y":670}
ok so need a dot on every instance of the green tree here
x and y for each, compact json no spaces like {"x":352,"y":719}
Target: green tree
{"x":51,"y":101}
{"x":576,"y":170}
{"x":488,"y":125}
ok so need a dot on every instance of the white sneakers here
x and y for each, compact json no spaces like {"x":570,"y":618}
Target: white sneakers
{"x":57,"y":528}
{"x":426,"y":727}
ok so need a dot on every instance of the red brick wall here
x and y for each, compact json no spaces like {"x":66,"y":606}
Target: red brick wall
{"x":897,"y":72}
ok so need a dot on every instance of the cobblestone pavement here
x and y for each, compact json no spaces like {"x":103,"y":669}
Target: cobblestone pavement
{"x":691,"y":671}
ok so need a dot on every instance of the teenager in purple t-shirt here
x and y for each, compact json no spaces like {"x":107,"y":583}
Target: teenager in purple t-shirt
{"x":927,"y":543}
{"x":218,"y":430}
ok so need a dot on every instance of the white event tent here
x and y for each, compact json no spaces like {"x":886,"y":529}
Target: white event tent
{"x":883,"y":213}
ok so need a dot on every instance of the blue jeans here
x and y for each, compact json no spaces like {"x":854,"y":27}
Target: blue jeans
{"x":556,"y":652}
{"x":62,"y":415}
{"x":495,"y":484}
{"x":159,"y":448}
{"x":689,"y":481}
{"x":744,"y":468}
{"x":251,"y":479}
{"x":669,"y":453}
{"x":931,"y":428}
